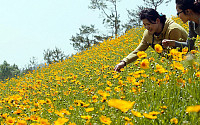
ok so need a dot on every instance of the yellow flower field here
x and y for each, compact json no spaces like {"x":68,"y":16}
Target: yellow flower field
{"x":85,"y":89}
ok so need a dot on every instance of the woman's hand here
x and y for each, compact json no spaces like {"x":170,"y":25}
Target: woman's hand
{"x":119,"y":66}
{"x":168,"y":43}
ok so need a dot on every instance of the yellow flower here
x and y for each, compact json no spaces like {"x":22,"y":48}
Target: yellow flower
{"x":173,"y":52}
{"x":144,"y":64}
{"x":89,"y":109}
{"x":127,"y":119}
{"x":86,"y":117}
{"x":128,"y":123}
{"x":44,"y":122}
{"x":158,"y":48}
{"x":71,"y":108}
{"x":194,"y":51}
{"x":21,"y":122}
{"x":105,"y":120}
{"x":18,"y":111}
{"x":141,"y":54}
{"x":109,"y":83}
{"x":70,"y":123}
{"x":198,"y":74}
{"x":160,"y":69}
{"x":94,"y":97}
{"x":149,"y":116}
{"x":137,"y":114}
{"x":174,"y":120}
{"x":185,"y":50}
{"x":59,"y":113}
{"x":121,"y":104}
{"x":10,"y":120}
{"x":195,"y":108}
{"x":61,"y":121}
{"x":108,"y":89}
{"x":154,"y":113}
{"x":178,"y":66}
{"x":163,"y":107}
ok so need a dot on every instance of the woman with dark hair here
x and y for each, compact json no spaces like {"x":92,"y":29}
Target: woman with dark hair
{"x":158,"y":28}
{"x":187,"y":10}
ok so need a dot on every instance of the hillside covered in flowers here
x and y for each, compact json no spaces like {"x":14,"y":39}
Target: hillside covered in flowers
{"x":85,"y":89}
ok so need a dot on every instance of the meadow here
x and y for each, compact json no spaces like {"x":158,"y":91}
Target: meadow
{"x":85,"y":89}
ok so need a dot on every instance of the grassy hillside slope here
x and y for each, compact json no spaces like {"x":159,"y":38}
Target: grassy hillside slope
{"x":85,"y":89}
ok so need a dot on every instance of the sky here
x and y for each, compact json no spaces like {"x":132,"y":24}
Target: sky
{"x":28,"y":27}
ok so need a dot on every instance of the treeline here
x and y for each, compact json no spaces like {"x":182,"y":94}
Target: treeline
{"x":12,"y":71}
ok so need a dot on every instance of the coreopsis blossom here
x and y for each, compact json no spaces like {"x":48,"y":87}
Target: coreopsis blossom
{"x":173,"y":52}
{"x":121,"y":104}
{"x":195,"y":108}
{"x":102,"y":93}
{"x":141,"y":54}
{"x":128,"y":123}
{"x":87,"y":117}
{"x":160,"y":69}
{"x":59,"y":113}
{"x":178,"y":66}
{"x":158,"y":48}
{"x":149,"y":116}
{"x":117,"y":89}
{"x":194,"y":51}
{"x":144,"y":64}
{"x":127,"y":119}
{"x":174,"y":120}
{"x":71,"y":108}
{"x":21,"y":122}
{"x":105,"y":120}
{"x":185,"y":50}
{"x":109,"y":83}
{"x":94,"y":97}
{"x":18,"y":111}
{"x":108,"y":89}
{"x":163,"y":107}
{"x":197,"y":74}
{"x":61,"y":121}
{"x":10,"y":120}
{"x":137,"y":114}
{"x":154,"y":113}
{"x":89,"y":109}
{"x":44,"y":122}
{"x":72,"y":123}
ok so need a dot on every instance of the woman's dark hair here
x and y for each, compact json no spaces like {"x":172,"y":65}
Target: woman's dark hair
{"x":194,"y":5}
{"x":151,"y":15}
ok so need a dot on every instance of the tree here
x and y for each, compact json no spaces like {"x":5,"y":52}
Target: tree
{"x":54,"y":55}
{"x":133,"y":18}
{"x":133,"y":15}
{"x":33,"y":65}
{"x":154,"y":3}
{"x":8,"y":71}
{"x":109,"y":11}
{"x":86,"y":38}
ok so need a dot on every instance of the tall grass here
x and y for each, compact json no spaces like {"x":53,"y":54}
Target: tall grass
{"x":80,"y":90}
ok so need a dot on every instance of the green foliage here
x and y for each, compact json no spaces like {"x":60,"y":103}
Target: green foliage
{"x":154,"y":3}
{"x":86,"y":38}
{"x":54,"y":55}
{"x":133,"y":19}
{"x":109,"y":10}
{"x":8,"y":71}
